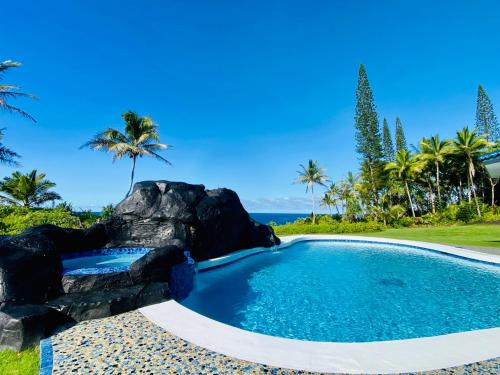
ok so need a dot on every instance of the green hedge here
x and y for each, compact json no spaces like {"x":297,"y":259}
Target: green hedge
{"x":14,"y":220}
{"x":327,"y":228}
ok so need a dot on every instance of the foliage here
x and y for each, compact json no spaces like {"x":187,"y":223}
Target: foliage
{"x":8,"y":92}
{"x":7,"y":156}
{"x":327,"y":226}
{"x":87,"y":217}
{"x":107,"y":211}
{"x":14,"y":220}
{"x":486,"y":120}
{"x":468,"y":146}
{"x":368,"y":142}
{"x":311,"y":175}
{"x":140,"y":138}
{"x":405,"y":167}
{"x":400,"y":136}
{"x":25,"y":362}
{"x":387,"y":144}
{"x":28,"y":190}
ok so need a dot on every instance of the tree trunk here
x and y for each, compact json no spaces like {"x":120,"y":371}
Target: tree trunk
{"x":314,"y":216}
{"x":473,"y":192}
{"x":372,"y":176}
{"x":492,"y":192}
{"x":131,"y":176}
{"x":431,"y":196}
{"x":469,"y":192}
{"x":437,"y":183}
{"x":409,"y":198}
{"x":460,"y":190}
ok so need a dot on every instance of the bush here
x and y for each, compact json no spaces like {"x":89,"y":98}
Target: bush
{"x":14,"y":220}
{"x":404,"y":221}
{"x":327,"y":228}
{"x":466,"y":212}
{"x":107,"y":211}
{"x":87,"y":217}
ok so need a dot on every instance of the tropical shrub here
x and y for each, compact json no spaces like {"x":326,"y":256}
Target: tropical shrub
{"x":107,"y":211}
{"x":327,"y":228}
{"x":87,"y":217}
{"x":14,"y":220}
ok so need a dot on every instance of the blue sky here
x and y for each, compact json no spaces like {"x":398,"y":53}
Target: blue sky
{"x":244,"y":90}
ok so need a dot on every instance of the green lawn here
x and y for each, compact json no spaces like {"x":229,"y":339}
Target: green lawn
{"x":473,"y":235}
{"x":23,"y":363}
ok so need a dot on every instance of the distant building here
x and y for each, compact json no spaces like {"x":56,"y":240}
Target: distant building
{"x":491,"y":161}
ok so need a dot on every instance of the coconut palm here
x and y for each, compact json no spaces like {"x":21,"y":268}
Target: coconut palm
{"x":434,"y":151}
{"x":28,"y":190}
{"x":468,"y":146}
{"x":11,"y":92}
{"x":310,"y":175}
{"x":328,"y":201}
{"x":139,"y":139}
{"x":405,"y":166}
{"x":7,"y":156}
{"x":334,"y":191}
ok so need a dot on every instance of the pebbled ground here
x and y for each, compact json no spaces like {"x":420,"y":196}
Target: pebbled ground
{"x":130,"y":344}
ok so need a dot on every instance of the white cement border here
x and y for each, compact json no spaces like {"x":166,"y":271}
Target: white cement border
{"x":411,"y":355}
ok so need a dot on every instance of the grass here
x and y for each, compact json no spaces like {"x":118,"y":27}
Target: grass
{"x":486,"y":235}
{"x":469,"y":235}
{"x":22,"y":363}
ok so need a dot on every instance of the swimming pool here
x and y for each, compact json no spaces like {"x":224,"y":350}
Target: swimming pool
{"x":101,"y":261}
{"x":350,"y":292}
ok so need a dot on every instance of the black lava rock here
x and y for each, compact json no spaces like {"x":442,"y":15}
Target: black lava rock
{"x":22,"y":326}
{"x":103,"y":303}
{"x":212,"y":223}
{"x":30,"y":269}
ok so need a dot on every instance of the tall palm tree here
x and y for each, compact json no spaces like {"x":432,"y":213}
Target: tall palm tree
{"x":139,"y":139}
{"x":11,"y":92}
{"x":405,"y":166}
{"x":7,"y":156}
{"x":28,"y":190}
{"x":434,"y":151}
{"x":468,"y":145}
{"x":310,"y":175}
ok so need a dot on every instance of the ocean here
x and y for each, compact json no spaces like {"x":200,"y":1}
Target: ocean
{"x":278,"y":218}
{"x":266,"y":218}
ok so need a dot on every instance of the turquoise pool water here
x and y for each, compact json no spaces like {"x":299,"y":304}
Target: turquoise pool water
{"x":350,"y":292}
{"x":101,"y":261}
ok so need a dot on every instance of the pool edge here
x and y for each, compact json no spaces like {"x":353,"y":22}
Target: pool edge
{"x":395,"y":356}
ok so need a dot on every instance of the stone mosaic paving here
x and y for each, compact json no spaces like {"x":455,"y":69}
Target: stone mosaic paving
{"x":131,"y":344}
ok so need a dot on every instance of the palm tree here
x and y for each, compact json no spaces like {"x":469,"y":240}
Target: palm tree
{"x":7,"y":156}
{"x":310,"y":175}
{"x":405,"y":167}
{"x":11,"y":91}
{"x":28,"y":190}
{"x":328,"y":201}
{"x":140,"y":139}
{"x":469,"y":145}
{"x":334,"y":191}
{"x":434,"y":151}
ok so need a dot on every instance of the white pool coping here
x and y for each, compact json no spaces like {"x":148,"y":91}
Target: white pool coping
{"x":411,"y":355}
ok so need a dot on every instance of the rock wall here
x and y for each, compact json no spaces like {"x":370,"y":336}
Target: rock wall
{"x":171,"y":217}
{"x":212,"y":223}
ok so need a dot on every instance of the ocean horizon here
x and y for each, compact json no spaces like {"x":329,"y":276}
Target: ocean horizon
{"x":274,"y":217}
{"x":267,"y":217}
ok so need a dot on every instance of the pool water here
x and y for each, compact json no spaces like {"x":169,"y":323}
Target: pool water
{"x":102,"y":261}
{"x":350,"y":292}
